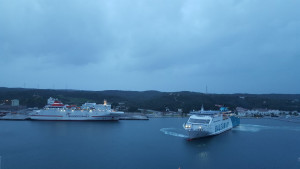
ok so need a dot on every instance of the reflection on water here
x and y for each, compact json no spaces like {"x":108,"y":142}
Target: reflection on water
{"x":201,"y":145}
{"x":203,"y":155}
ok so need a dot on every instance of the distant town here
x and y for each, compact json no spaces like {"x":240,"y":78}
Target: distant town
{"x":13,"y":110}
{"x":18,"y":102}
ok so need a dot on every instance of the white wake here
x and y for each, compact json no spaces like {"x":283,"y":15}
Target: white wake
{"x":173,"y":132}
{"x":257,"y":128}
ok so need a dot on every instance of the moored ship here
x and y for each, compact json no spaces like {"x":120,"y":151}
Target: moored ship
{"x":208,"y":123}
{"x":56,"y":110}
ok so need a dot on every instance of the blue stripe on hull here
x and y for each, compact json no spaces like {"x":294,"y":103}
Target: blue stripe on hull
{"x":235,"y":121}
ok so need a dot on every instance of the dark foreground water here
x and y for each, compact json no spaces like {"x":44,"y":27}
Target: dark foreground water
{"x":154,"y":144}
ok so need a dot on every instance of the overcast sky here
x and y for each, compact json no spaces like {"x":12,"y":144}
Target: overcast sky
{"x":232,"y":46}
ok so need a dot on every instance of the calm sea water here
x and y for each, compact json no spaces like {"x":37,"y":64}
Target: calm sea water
{"x":154,"y":144}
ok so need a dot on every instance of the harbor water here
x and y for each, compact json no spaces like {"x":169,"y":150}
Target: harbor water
{"x":158,"y":143}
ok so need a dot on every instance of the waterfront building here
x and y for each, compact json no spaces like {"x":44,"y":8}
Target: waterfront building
{"x":241,"y":111}
{"x":15,"y":102}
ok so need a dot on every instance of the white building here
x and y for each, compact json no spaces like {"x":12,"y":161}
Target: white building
{"x":15,"y":102}
{"x":241,"y":111}
{"x":264,"y":112}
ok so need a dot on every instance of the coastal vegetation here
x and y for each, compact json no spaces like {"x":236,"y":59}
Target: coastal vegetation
{"x":154,"y":100}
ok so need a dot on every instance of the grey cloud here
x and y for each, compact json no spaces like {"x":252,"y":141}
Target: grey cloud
{"x":196,"y":41}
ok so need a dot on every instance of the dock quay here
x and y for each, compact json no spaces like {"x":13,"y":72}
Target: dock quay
{"x":134,"y":116}
{"x":15,"y":116}
{"x":22,"y":114}
{"x":25,"y":116}
{"x":11,"y":116}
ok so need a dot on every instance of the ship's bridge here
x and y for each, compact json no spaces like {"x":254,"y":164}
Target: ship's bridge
{"x":200,"y":119}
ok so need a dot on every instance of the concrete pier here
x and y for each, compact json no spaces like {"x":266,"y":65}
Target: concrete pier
{"x":15,"y":116}
{"x":133,"y":116}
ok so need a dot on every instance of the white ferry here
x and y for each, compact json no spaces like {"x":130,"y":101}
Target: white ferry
{"x":208,"y":123}
{"x":56,"y":110}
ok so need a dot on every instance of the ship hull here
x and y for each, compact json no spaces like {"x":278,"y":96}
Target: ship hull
{"x":213,"y":129}
{"x":68,"y":115}
{"x":103,"y":118}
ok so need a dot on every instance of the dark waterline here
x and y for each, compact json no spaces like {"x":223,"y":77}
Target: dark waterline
{"x":157,"y":143}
